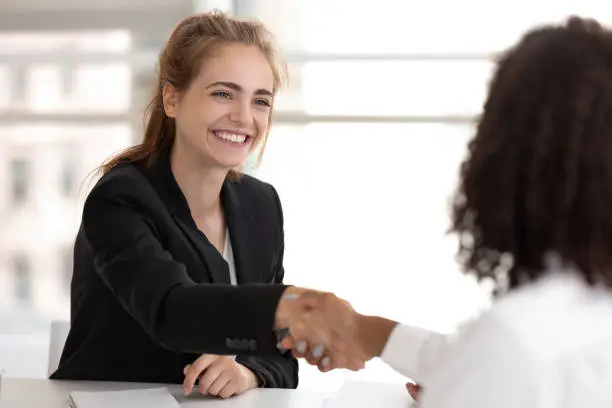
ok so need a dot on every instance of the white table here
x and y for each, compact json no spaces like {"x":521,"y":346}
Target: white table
{"x":34,"y":393}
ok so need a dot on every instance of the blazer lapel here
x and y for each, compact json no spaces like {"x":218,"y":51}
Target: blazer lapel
{"x":211,"y":258}
{"x":240,"y":231}
{"x":164,"y":182}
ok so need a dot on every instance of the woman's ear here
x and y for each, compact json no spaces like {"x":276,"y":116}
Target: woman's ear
{"x":170,"y":98}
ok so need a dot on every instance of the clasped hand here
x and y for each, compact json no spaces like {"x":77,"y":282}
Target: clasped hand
{"x":323,"y":329}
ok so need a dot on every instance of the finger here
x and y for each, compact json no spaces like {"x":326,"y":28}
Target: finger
{"x":300,"y":349}
{"x":288,"y":343}
{"x":194,"y":370}
{"x":315,"y":354}
{"x":318,"y":352}
{"x":304,"y":350}
{"x":308,"y":328}
{"x":230,"y":389}
{"x":325,"y":364}
{"x":209,"y":377}
{"x":222,"y":380}
{"x":310,"y":359}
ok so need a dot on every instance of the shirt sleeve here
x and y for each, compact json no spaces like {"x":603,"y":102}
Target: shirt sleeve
{"x":414,"y":352}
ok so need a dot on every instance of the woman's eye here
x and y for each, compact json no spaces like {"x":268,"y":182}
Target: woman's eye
{"x":262,"y":102}
{"x":222,"y":94}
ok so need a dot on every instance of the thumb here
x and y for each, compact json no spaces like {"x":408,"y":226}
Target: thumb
{"x":414,"y":390}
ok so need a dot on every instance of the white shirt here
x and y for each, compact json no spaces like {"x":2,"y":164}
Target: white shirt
{"x":547,"y":345}
{"x":228,"y":255}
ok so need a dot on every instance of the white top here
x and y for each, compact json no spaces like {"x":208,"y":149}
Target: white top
{"x":228,"y":255}
{"x":546,"y":345}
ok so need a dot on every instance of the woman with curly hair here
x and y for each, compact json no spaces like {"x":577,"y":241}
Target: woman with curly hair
{"x":533,"y":212}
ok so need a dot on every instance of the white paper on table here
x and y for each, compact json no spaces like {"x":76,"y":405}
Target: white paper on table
{"x":149,"y":398}
{"x":371,"y":395}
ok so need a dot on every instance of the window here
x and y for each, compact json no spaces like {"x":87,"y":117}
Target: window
{"x":66,"y":264}
{"x":371,"y":201}
{"x":44,"y":90}
{"x":102,"y":87}
{"x":6,"y":87}
{"x":431,"y":27}
{"x":22,"y":278}
{"x":69,"y":84}
{"x":20,"y":180}
{"x":409,"y":88}
{"x":69,"y":177}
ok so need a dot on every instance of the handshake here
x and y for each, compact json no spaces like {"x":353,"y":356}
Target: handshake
{"x":327,"y":332}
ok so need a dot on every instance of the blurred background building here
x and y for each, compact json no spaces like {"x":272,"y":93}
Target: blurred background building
{"x":364,"y":152}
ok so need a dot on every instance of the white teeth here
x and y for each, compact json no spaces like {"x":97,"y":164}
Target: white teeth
{"x":232,"y":137}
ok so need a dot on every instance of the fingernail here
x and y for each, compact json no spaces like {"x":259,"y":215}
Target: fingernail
{"x":318,"y":351}
{"x":325,"y":361}
{"x":301,"y":347}
{"x":291,"y":297}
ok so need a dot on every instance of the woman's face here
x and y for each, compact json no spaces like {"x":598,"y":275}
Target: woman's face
{"x":224,"y":114}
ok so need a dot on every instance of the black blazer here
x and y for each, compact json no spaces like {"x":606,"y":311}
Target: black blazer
{"x":150,"y":293}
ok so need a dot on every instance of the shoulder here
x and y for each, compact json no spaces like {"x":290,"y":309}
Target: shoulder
{"x":555,"y":317}
{"x":251,"y":184}
{"x":531,"y":339}
{"x":122,"y":187}
{"x":255,"y":190}
{"x":124,"y":180}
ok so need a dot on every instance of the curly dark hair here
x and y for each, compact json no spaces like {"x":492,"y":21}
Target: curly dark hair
{"x":538,"y":176}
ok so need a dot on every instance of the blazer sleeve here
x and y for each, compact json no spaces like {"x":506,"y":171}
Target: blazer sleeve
{"x":279,"y":371}
{"x":157,"y":292}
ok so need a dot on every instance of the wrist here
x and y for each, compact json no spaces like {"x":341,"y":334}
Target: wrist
{"x":374,"y":332}
{"x":286,"y":305}
{"x":251,"y":379}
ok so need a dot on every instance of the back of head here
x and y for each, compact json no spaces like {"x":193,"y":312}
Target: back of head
{"x":538,"y":176}
{"x":194,"y":41}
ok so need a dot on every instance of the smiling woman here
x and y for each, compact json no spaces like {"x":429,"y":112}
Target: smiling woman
{"x":224,"y":113}
{"x":173,"y":225}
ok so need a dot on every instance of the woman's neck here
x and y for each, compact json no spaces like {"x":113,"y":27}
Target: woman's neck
{"x":201,"y":185}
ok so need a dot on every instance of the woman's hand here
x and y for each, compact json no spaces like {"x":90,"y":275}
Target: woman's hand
{"x":218,"y":375}
{"x":327,"y":332}
{"x":323,"y":329}
{"x":414,"y":390}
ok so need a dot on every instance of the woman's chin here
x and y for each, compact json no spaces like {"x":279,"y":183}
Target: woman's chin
{"x":230,"y":164}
